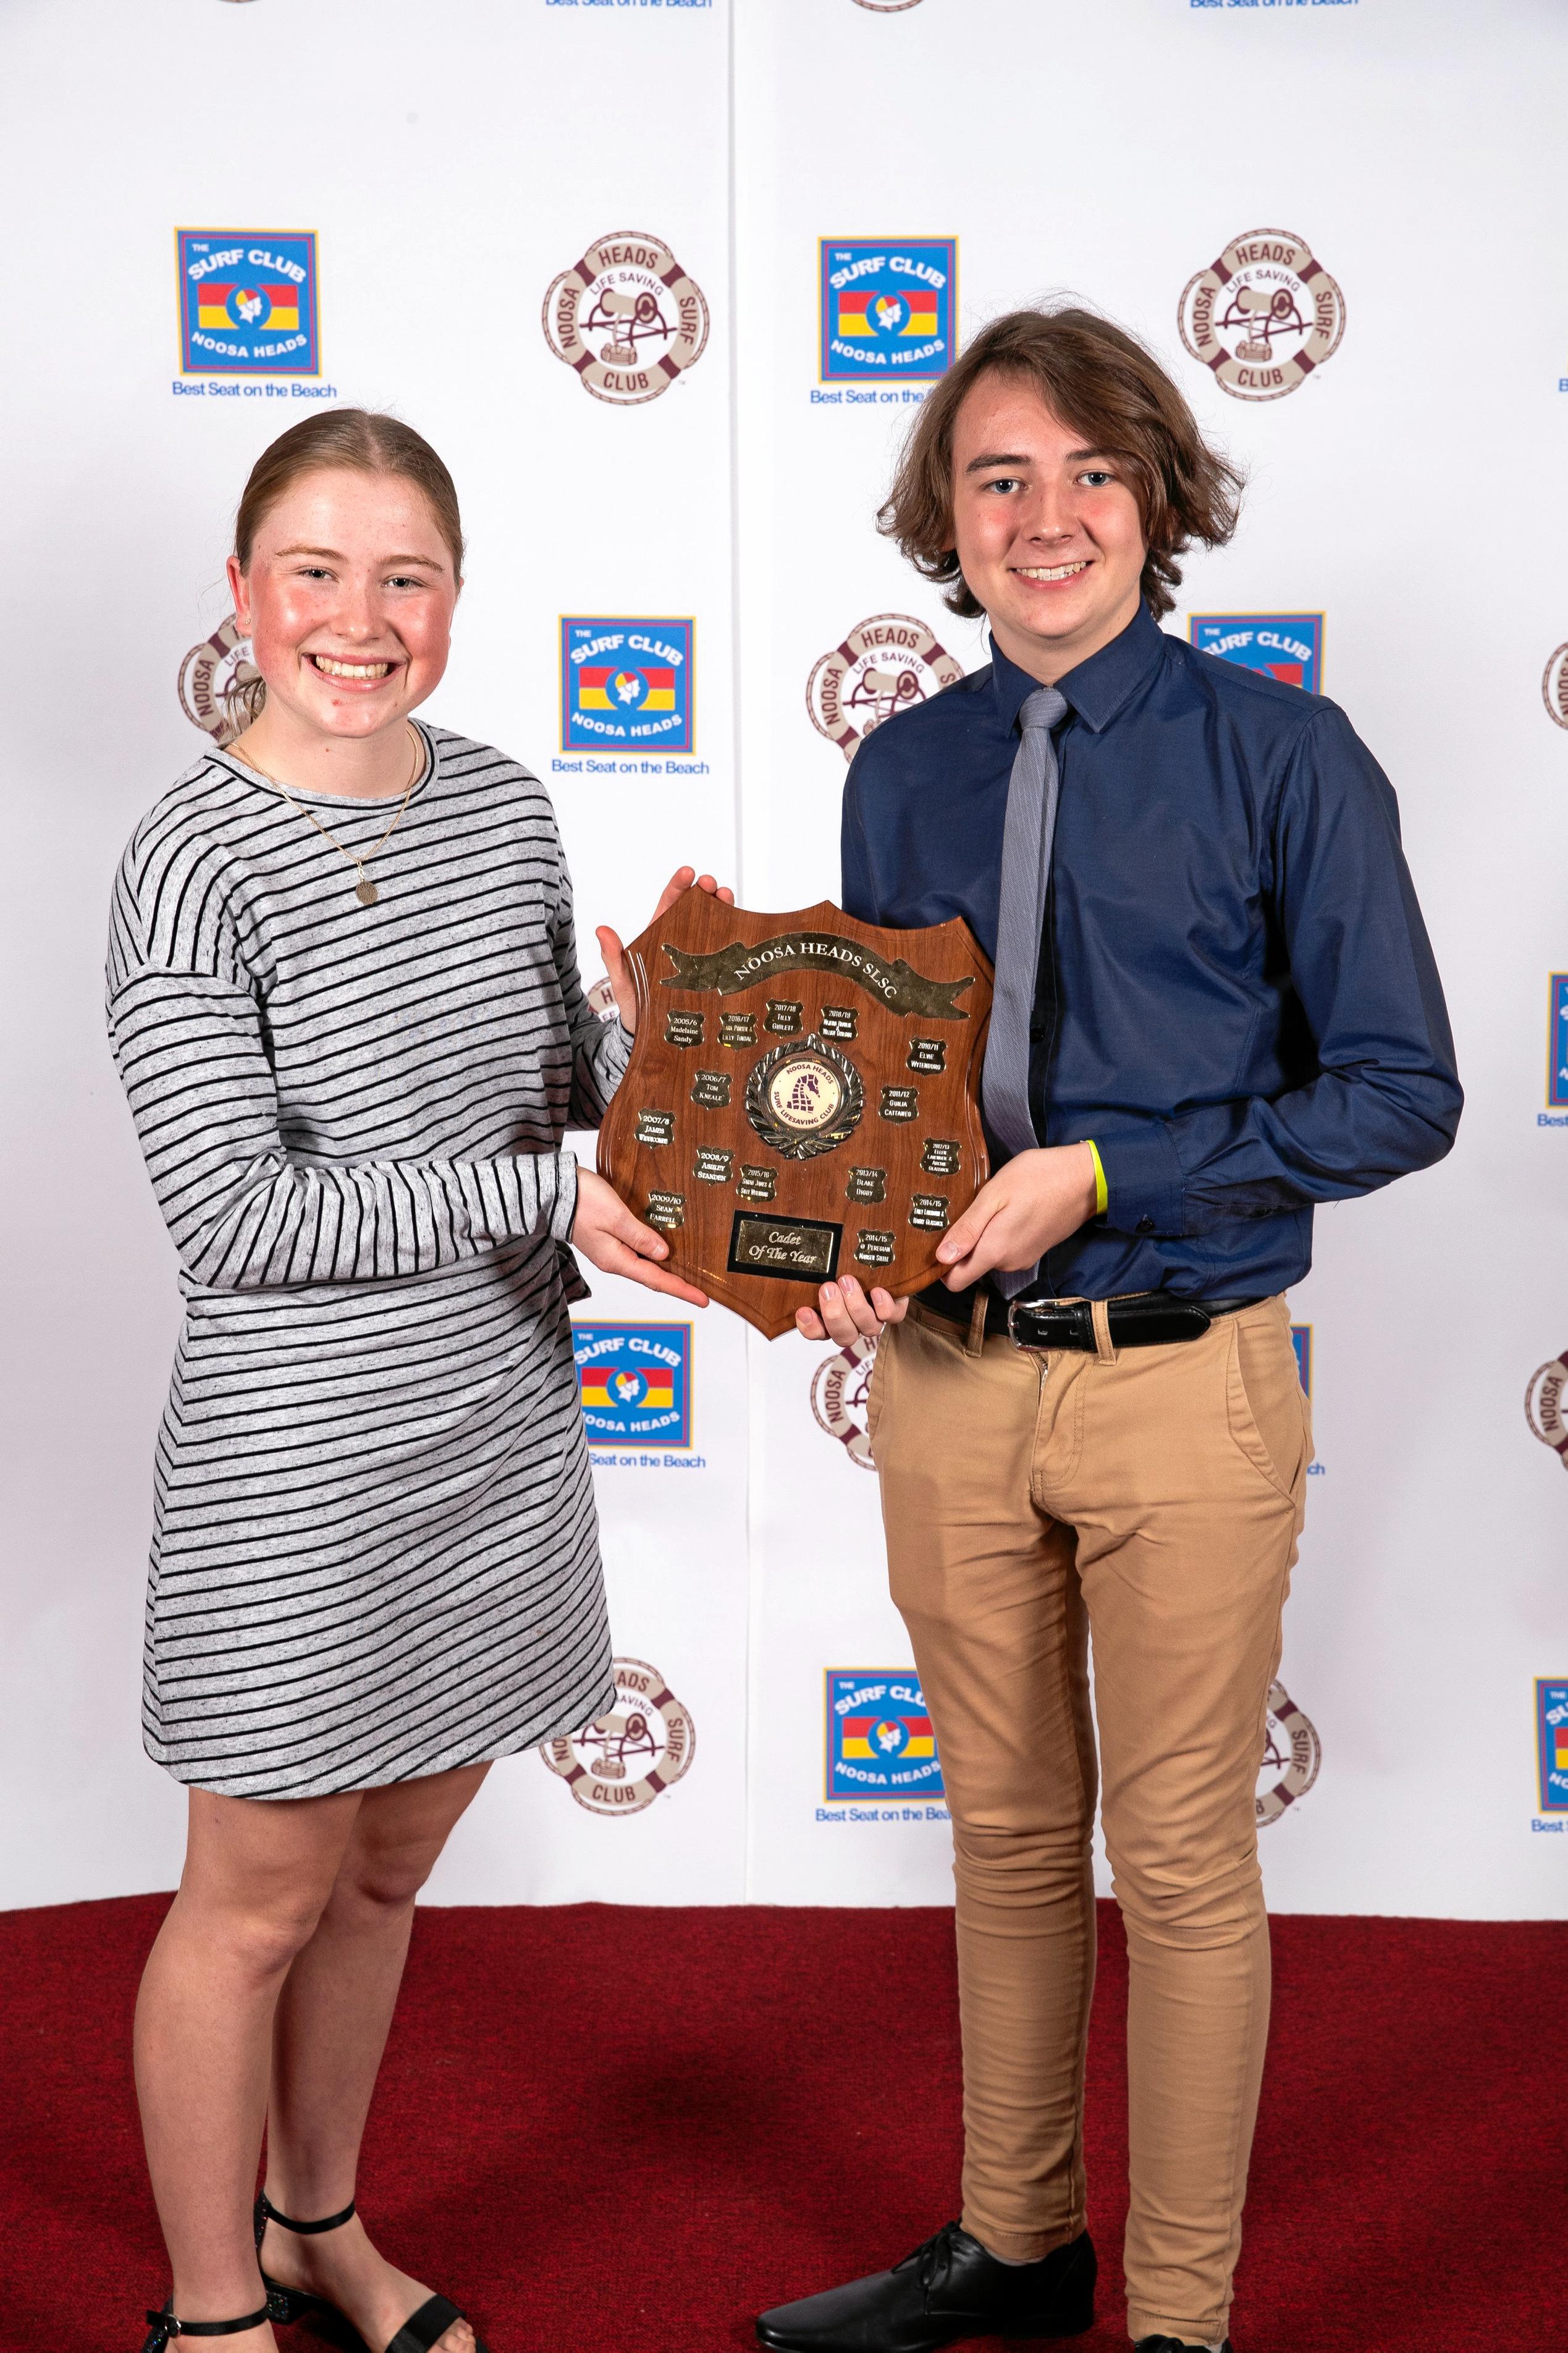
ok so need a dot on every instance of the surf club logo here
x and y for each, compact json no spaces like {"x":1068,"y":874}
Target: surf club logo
{"x":880,"y":1742}
{"x":1286,"y":646}
{"x":248,"y":301}
{"x":1556,"y":1048}
{"x":1291,"y":1756}
{"x":626,"y":683}
{"x":885,"y":665}
{"x":627,"y":317}
{"x":1262,"y":316}
{"x":1554,"y":687}
{"x":1543,"y":1405}
{"x":626,"y":1759}
{"x":888,"y":308}
{"x":636,"y":1382}
{"x":210,"y":678}
{"x":888,"y":7}
{"x":838,"y":1393}
{"x":1552,"y":1744}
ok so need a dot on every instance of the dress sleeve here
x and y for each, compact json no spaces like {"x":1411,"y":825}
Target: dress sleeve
{"x":600,"y":1049}
{"x":244,"y":1216}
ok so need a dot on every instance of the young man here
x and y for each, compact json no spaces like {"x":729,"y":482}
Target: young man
{"x":1215,"y":1005}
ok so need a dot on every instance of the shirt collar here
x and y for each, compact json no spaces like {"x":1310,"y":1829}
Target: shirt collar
{"x":1099,"y":688}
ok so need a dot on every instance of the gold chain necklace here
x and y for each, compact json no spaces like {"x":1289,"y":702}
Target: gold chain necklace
{"x":365,"y":890}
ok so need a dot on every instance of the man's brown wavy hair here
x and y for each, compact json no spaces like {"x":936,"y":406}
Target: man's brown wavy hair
{"x":1102,"y":383}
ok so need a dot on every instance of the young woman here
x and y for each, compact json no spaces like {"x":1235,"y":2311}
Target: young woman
{"x":344,"y":1001}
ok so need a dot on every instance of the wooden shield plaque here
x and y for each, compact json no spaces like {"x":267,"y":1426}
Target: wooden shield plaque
{"x":802,"y":1100}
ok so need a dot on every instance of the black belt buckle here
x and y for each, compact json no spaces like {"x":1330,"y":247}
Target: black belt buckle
{"x":1044,"y":1323}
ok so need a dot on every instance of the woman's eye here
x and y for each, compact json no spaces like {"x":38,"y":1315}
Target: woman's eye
{"x":1097,"y":477}
{"x":405,"y":580}
{"x":1005,"y":482}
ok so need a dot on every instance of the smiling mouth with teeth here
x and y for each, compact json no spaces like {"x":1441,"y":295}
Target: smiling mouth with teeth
{"x":330,"y":668}
{"x":1050,"y":571}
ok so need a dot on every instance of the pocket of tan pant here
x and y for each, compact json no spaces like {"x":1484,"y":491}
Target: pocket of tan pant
{"x":1267,"y":1407}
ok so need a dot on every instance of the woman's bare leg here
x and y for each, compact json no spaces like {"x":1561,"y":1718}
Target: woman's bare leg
{"x":258,"y":1877}
{"x":330,"y":2029}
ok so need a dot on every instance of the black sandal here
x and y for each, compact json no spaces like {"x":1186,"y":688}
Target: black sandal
{"x":165,"y":2326}
{"x":419,"y":2332}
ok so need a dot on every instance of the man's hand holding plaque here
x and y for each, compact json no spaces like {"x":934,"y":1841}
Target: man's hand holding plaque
{"x":801,"y":1107}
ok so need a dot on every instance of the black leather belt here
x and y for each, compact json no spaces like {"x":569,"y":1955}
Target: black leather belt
{"x":1148,"y":1319}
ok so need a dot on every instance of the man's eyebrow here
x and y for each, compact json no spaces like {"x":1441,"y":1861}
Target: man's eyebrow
{"x":1012,"y":458}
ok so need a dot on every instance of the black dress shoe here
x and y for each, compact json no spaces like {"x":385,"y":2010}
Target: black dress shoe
{"x":947,"y":2289}
{"x":1173,"y":2344}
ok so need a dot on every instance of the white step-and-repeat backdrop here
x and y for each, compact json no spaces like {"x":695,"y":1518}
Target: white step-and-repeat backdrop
{"x":665,"y":280}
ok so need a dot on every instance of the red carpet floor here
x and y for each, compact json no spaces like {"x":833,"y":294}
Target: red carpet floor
{"x":623,"y":2131}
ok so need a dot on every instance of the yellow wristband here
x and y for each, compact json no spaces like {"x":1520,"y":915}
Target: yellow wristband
{"x":1101,"y":1189}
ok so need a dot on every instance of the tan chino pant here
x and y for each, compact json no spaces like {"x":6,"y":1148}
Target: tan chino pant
{"x":1148,"y":1499}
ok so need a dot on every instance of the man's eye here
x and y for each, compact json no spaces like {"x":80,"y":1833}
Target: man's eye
{"x":1097,"y":476}
{"x":314,"y":572}
{"x":1005,"y":483}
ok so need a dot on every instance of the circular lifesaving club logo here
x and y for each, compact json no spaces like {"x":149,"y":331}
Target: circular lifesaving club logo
{"x":1291,"y":1756}
{"x":1264,"y":316}
{"x":838,"y":1393}
{"x":622,"y":1761}
{"x":627,"y":317}
{"x":886,"y":665}
{"x":805,"y":1098}
{"x":1554,"y":687}
{"x":209,"y":676}
{"x":888,"y":7}
{"x":1543,"y":1406}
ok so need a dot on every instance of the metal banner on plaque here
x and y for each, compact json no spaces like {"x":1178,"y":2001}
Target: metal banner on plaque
{"x":802,"y":1102}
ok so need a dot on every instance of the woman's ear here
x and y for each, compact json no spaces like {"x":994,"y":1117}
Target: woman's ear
{"x":239,"y":589}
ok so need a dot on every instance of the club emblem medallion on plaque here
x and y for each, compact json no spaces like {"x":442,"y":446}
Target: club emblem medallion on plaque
{"x":803,"y":1100}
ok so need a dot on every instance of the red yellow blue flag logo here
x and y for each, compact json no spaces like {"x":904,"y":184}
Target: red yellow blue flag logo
{"x":626,"y":685}
{"x":248,"y":301}
{"x":889,"y":308}
{"x":880,"y":1740}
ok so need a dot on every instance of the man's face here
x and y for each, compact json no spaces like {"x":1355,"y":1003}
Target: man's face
{"x":1047,"y":529}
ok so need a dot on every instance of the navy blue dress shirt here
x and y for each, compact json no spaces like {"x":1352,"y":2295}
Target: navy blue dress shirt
{"x":1236,"y":997}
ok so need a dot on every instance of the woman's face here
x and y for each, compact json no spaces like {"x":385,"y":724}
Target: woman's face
{"x":347,"y":601}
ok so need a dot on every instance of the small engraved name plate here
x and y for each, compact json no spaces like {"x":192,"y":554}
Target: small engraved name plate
{"x":941,"y":1157}
{"x":713,"y":1168}
{"x":928,"y":1054}
{"x":866,"y":1185}
{"x":840,"y":1021}
{"x":654,"y":1126}
{"x":900,"y":1102}
{"x":683,"y":1028}
{"x":794,"y":1250}
{"x":737,"y":1029}
{"x":874,"y":1248}
{"x":711,"y":1090}
{"x":929,"y":1212}
{"x":666,"y":1209}
{"x":784,"y":1016}
{"x":758,"y":1184}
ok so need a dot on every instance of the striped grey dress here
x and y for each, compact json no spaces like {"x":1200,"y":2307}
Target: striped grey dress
{"x":375,"y":1551}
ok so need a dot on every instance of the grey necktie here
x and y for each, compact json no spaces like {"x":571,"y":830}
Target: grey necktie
{"x":1027,"y":839}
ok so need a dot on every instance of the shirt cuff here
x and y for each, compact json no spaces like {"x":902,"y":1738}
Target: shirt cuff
{"x":1102,"y":1190}
{"x":1143,"y":1184}
{"x":563,"y":1210}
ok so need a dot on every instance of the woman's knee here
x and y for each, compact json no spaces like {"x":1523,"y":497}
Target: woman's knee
{"x":260,"y":1934}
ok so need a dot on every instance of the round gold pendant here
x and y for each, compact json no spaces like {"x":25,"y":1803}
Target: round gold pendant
{"x":365,"y":891}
